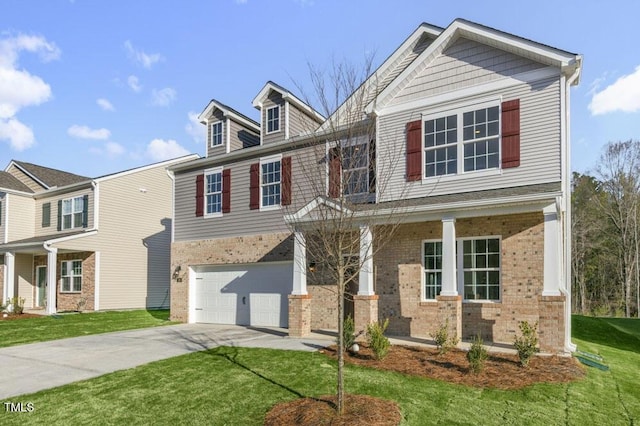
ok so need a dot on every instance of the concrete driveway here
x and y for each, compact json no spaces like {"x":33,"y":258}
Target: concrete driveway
{"x":37,"y":366}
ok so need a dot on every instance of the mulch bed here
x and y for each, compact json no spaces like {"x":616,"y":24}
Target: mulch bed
{"x":501,"y":371}
{"x":18,"y":316}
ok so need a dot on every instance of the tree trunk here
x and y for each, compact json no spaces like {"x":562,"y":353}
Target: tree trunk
{"x":341,"y":288}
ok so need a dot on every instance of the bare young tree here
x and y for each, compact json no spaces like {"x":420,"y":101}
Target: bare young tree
{"x":619,"y":174}
{"x":340,"y":215}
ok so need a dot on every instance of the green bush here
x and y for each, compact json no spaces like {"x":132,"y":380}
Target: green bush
{"x":17,"y":304}
{"x":527,"y":344}
{"x":376,"y":339}
{"x":477,"y":355}
{"x":348,"y":332}
{"x":441,"y":338}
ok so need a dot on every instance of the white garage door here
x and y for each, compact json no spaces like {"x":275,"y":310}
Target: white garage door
{"x":255,"y":294}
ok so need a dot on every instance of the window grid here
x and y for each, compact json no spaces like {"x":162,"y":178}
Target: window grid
{"x":481,"y":129}
{"x":270,"y":183}
{"x":440,"y":144}
{"x":72,"y":209}
{"x":355,"y":167}
{"x":481,"y":269}
{"x":71,"y":276}
{"x":213,"y":195}
{"x":273,"y":119}
{"x":432,"y":263}
{"x":216,"y":133}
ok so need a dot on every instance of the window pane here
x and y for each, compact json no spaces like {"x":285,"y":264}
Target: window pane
{"x":452,"y":122}
{"x":493,"y":245}
{"x":440,"y":124}
{"x":429,"y":126}
{"x":66,"y":284}
{"x":77,"y":283}
{"x":493,"y":113}
{"x":429,"y":141}
{"x":66,"y":222}
{"x":492,"y":128}
{"x":467,"y":119}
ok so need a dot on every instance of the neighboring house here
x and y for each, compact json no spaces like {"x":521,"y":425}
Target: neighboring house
{"x":480,"y":119}
{"x":103,"y":243}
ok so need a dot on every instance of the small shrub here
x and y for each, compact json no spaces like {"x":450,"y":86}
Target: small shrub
{"x":348,"y":333}
{"x":441,"y":338}
{"x":477,"y":355}
{"x":527,"y":344}
{"x":17,"y":304}
{"x":376,"y":339}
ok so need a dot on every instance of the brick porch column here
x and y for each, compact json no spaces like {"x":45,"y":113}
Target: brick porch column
{"x":450,"y":308}
{"x":551,"y":324}
{"x":299,"y":315}
{"x":365,"y":312}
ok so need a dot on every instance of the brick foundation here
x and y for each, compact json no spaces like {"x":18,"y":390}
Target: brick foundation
{"x":450,"y":309}
{"x":70,"y":301}
{"x":324,"y":309}
{"x":366,"y":312}
{"x":551,"y":326}
{"x":299,"y":315}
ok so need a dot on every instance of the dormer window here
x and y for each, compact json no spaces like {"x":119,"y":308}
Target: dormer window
{"x":216,"y":133}
{"x":273,"y":119}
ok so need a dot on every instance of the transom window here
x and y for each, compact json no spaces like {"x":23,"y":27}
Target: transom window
{"x":470,"y":134}
{"x":355,"y":167}
{"x":432,"y":269}
{"x":71,"y":276}
{"x":72,"y":209}
{"x":216,"y":133}
{"x":481,"y":268}
{"x":213,"y":192}
{"x":270,"y":183}
{"x":273,"y":119}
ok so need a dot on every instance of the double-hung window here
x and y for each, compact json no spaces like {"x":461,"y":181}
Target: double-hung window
{"x":216,"y":133}
{"x":461,"y":141}
{"x":72,"y":210}
{"x":213,"y":192}
{"x":71,"y":276}
{"x":273,"y":119}
{"x":355,"y":167}
{"x":480,"y":268}
{"x":270,"y":182}
{"x":432,"y":263}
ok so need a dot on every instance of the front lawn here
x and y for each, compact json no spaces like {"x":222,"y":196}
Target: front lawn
{"x":31,"y":330}
{"x":239,"y":385}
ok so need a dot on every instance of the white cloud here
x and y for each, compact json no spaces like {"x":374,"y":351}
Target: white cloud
{"x":114,"y":149}
{"x":105,"y":104}
{"x":19,"y":88}
{"x":163,"y":97}
{"x":145,"y":59}
{"x":84,"y":132}
{"x":159,"y":149}
{"x":195,"y":129}
{"x":20,"y":137}
{"x":623,"y":95}
{"x":134,"y":83}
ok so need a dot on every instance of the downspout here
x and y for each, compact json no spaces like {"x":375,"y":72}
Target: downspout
{"x":566,"y":288}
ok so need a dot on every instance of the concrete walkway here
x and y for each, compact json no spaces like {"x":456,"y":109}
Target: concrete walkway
{"x":37,"y":366}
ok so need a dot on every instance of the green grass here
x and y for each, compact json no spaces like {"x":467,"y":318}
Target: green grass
{"x":237,"y":386}
{"x":31,"y":330}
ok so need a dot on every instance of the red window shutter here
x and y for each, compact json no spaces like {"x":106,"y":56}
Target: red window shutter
{"x":286,"y":181}
{"x":254,"y":186}
{"x":414,"y":151}
{"x":335,"y":171}
{"x":199,"y":195}
{"x":511,"y":134}
{"x":226,"y":191}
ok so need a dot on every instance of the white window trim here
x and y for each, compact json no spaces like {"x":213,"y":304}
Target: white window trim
{"x":459,"y":109}
{"x":221,"y":123}
{"x":204,"y":199}
{"x":424,"y":270}
{"x":266,"y":120}
{"x":71,"y":291}
{"x":266,"y":160}
{"x":356,"y":142}
{"x":460,"y":267}
{"x":73,"y":213}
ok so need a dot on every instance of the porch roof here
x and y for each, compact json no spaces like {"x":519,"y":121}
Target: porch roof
{"x":36,"y":244}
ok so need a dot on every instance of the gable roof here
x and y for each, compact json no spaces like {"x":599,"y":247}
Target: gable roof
{"x":288,"y":96}
{"x":9,"y":181}
{"x":227,"y":111}
{"x":46,"y":176}
{"x":567,"y":62}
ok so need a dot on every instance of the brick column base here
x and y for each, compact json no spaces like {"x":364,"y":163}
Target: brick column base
{"x":450,"y":308}
{"x":299,"y":315}
{"x":551,"y":324}
{"x":366,"y":312}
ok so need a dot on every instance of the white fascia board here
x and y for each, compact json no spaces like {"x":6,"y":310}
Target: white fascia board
{"x":13,"y":163}
{"x":226,"y":112}
{"x":56,"y":190}
{"x":14,"y":192}
{"x":312,"y":205}
{"x":164,"y":164}
{"x":71,"y":237}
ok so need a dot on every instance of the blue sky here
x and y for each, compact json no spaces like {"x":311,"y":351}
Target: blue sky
{"x":94,"y":87}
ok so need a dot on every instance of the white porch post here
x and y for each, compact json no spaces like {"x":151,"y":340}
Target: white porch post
{"x":449,"y":286}
{"x":552,"y":252}
{"x":365,"y":278}
{"x":9,"y":276}
{"x":52,"y":285}
{"x":299,"y":264}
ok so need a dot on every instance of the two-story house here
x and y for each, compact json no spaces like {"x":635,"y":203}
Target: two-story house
{"x":70,"y":242}
{"x":476,"y":122}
